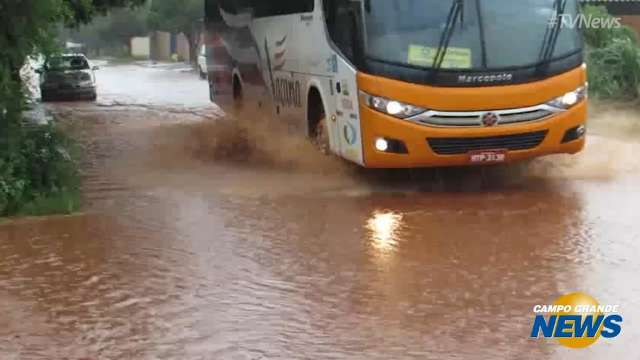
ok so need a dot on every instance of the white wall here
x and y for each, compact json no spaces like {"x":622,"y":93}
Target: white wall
{"x":160,"y":46}
{"x":140,"y":47}
{"x":183,"y":48}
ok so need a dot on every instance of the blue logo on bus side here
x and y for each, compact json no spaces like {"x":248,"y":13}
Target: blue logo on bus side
{"x":350,"y":134}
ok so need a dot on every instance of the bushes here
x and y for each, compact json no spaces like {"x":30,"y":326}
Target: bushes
{"x":615,"y":70}
{"x":613,"y":56}
{"x":38,"y":174}
{"x":601,"y":37}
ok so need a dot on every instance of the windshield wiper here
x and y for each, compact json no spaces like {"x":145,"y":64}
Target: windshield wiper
{"x":552,"y":34}
{"x":456,"y":13}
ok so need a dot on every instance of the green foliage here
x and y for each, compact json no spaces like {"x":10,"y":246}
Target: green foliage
{"x":614,"y":70}
{"x":62,"y":202}
{"x":38,"y":167}
{"x":176,"y":16}
{"x":34,"y":162}
{"x":28,"y":27}
{"x":83,"y":11}
{"x":613,"y":56}
{"x":112,"y":31}
{"x":599,"y":37}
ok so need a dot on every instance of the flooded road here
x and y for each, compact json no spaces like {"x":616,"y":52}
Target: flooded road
{"x":187,"y":252}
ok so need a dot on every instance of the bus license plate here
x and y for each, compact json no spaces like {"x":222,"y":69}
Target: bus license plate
{"x":488,"y":156}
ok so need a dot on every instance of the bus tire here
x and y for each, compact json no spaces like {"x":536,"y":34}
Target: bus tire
{"x":317,"y":122}
{"x":322,"y":137}
{"x":211,"y":90}
{"x":237,"y":93}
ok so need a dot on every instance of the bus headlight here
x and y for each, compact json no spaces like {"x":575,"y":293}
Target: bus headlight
{"x":382,"y":144}
{"x":390,"y":107}
{"x":569,"y":99}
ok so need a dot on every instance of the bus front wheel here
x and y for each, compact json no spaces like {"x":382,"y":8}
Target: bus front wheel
{"x":317,"y":122}
{"x":321,"y":139}
{"x":237,"y":94}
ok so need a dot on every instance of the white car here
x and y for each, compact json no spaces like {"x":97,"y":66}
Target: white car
{"x":202,"y":62}
{"x":68,"y":76}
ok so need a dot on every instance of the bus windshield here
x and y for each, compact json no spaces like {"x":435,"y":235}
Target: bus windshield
{"x":488,"y":35}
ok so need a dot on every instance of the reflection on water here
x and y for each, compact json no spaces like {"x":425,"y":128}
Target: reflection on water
{"x":385,"y":230}
{"x":176,"y":260}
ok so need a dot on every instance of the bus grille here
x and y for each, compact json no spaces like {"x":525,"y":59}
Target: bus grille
{"x":474,"y":118}
{"x":456,"y":146}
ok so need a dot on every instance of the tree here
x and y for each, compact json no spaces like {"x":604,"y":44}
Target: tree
{"x":178,"y":16}
{"x":29,"y":26}
{"x":30,"y":158}
{"x":82,"y":12}
{"x":112,"y":31}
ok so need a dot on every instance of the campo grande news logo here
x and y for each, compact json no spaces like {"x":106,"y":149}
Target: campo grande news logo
{"x":576,"y":320}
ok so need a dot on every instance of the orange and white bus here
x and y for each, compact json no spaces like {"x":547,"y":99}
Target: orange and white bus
{"x":407,"y":83}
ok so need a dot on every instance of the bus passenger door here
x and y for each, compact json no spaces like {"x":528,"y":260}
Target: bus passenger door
{"x":342,"y":22}
{"x":347,"y":125}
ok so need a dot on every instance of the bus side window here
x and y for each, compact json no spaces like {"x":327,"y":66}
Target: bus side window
{"x":264,"y":8}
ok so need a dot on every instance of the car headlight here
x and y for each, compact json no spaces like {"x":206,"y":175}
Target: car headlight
{"x":390,"y":107}
{"x":86,"y":83}
{"x":570,"y":99}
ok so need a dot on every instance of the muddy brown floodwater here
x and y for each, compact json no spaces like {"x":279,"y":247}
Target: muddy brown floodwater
{"x":205,"y":239}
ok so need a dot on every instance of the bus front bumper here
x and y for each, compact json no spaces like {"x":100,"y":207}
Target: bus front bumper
{"x":427,"y":146}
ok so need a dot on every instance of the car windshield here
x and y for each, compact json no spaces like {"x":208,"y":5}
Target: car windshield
{"x":489,"y":34}
{"x":63,"y":63}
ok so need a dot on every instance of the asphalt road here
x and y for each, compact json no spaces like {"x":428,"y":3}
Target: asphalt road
{"x":206,"y":238}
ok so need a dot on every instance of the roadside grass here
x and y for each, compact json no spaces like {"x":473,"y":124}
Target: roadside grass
{"x":39,"y":173}
{"x":613,"y":59}
{"x":61,"y":203}
{"x":119,"y":60}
